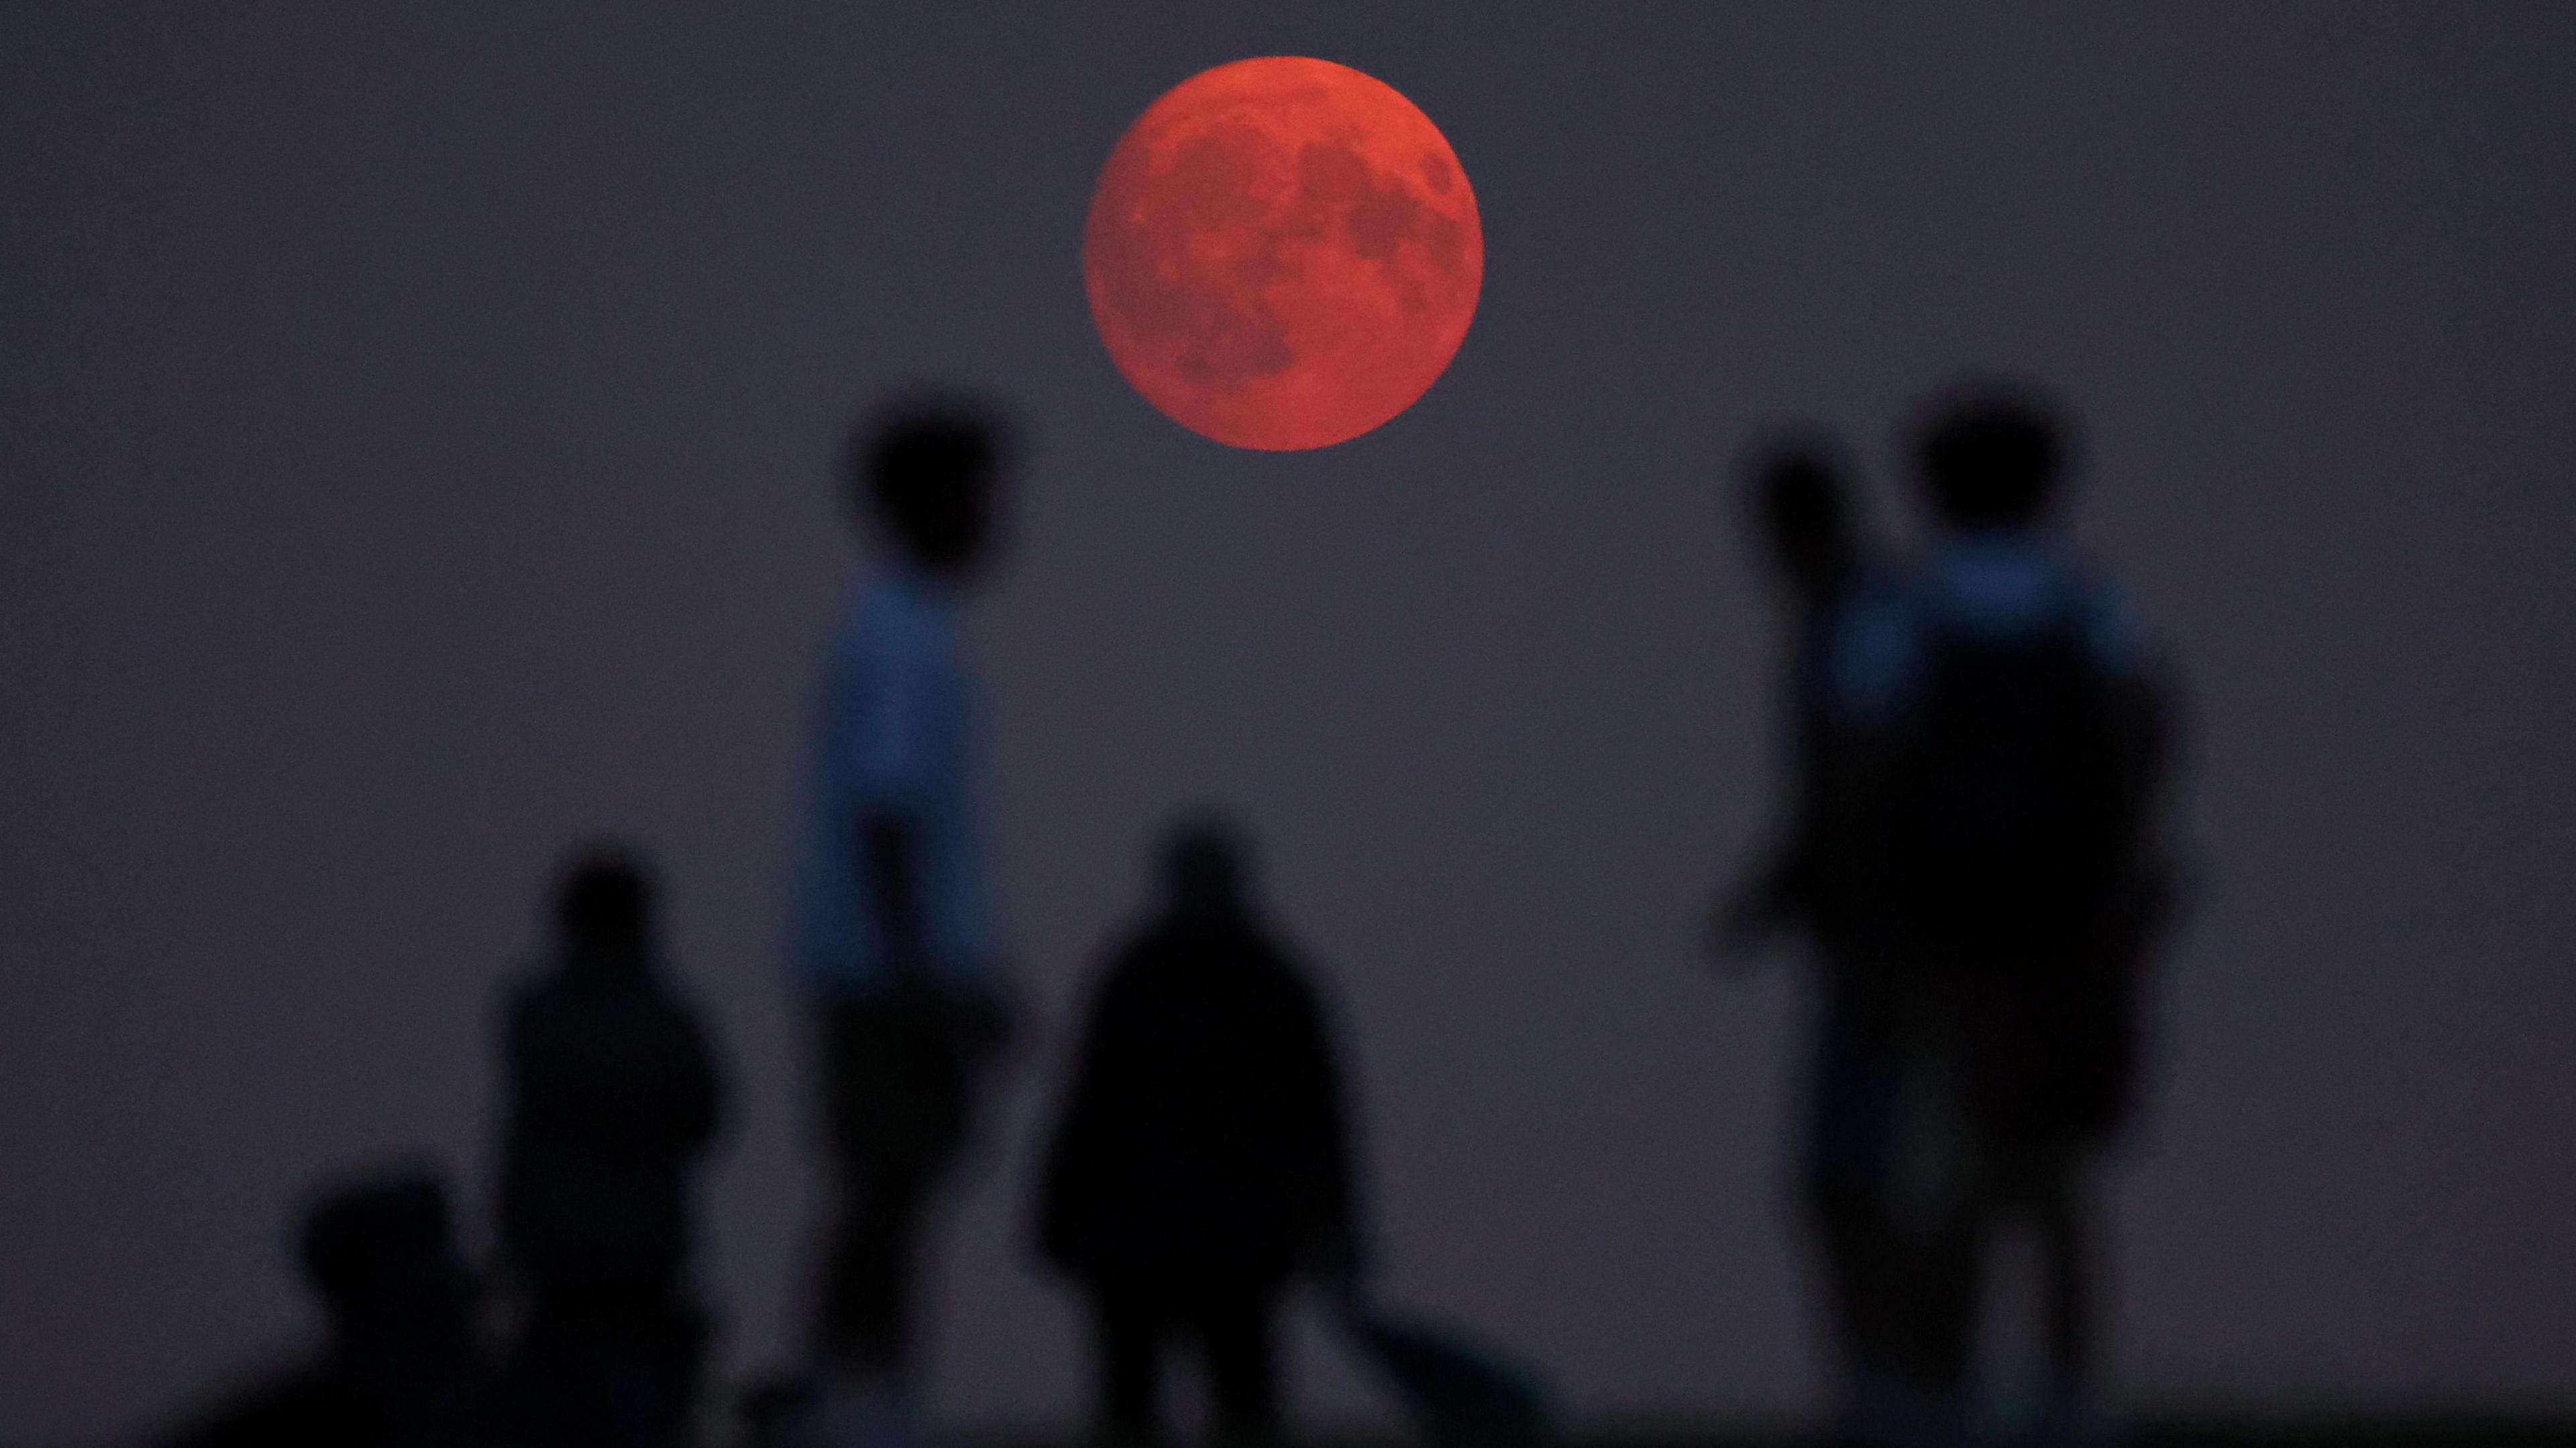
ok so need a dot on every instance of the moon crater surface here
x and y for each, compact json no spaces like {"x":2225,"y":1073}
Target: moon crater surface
{"x":1282,"y":253}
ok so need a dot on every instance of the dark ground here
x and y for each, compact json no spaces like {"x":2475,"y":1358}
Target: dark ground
{"x":2427,"y":1428}
{"x":2178,"y":1429}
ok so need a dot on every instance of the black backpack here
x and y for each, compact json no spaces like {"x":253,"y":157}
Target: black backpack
{"x":2013,"y":835}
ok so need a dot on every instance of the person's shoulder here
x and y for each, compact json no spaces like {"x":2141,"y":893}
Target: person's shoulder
{"x":1272,"y":959}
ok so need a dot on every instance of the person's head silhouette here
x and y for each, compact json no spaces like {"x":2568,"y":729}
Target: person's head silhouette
{"x":925,"y":473}
{"x":380,"y":1252}
{"x":1801,"y":509}
{"x":604,"y":906}
{"x":1204,"y":870}
{"x":1992,"y":458}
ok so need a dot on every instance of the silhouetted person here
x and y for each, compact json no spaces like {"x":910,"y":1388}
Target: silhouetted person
{"x":400,"y":1368}
{"x":1801,"y":513}
{"x":1803,"y":516}
{"x":2007,"y":812}
{"x":896,"y":950}
{"x":611,"y":1100}
{"x":1201,"y":1159}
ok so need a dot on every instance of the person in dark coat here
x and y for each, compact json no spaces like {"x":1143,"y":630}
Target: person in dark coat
{"x":1202,"y":1159}
{"x":612,"y":1098}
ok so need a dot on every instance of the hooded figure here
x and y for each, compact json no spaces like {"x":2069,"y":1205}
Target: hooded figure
{"x":1202,"y":1158}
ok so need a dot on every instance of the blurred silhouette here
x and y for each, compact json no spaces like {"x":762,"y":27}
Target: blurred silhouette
{"x":2006,"y":744}
{"x":611,"y":1099}
{"x":400,"y":1368}
{"x":1202,"y":1156}
{"x":1804,"y":518}
{"x":896,"y":958}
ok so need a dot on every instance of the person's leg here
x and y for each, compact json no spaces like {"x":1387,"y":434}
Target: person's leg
{"x":1879,"y":1317}
{"x":1236,"y":1334}
{"x":1127,"y":1343}
{"x":2063,"y":1218}
{"x":1846,"y":1129}
{"x":1929,"y":1235}
{"x":877,"y":1270}
{"x":540,"y":1367}
{"x":690,"y":1334}
{"x":2040,"y":1188}
{"x":1935,"y":1281}
{"x":1954,"y":1313}
{"x":840,"y":1318}
{"x":1839,"y":1238}
{"x":863,"y":1354}
{"x":894,"y":1136}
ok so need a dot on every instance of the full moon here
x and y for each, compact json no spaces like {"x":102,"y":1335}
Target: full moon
{"x":1282,"y":253}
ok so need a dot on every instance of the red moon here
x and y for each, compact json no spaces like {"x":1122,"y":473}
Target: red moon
{"x":1282,"y":253}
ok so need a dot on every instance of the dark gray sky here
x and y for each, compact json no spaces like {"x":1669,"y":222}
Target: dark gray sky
{"x":414,"y":445}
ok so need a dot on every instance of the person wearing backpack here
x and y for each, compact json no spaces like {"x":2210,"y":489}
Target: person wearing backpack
{"x":2014,"y":745}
